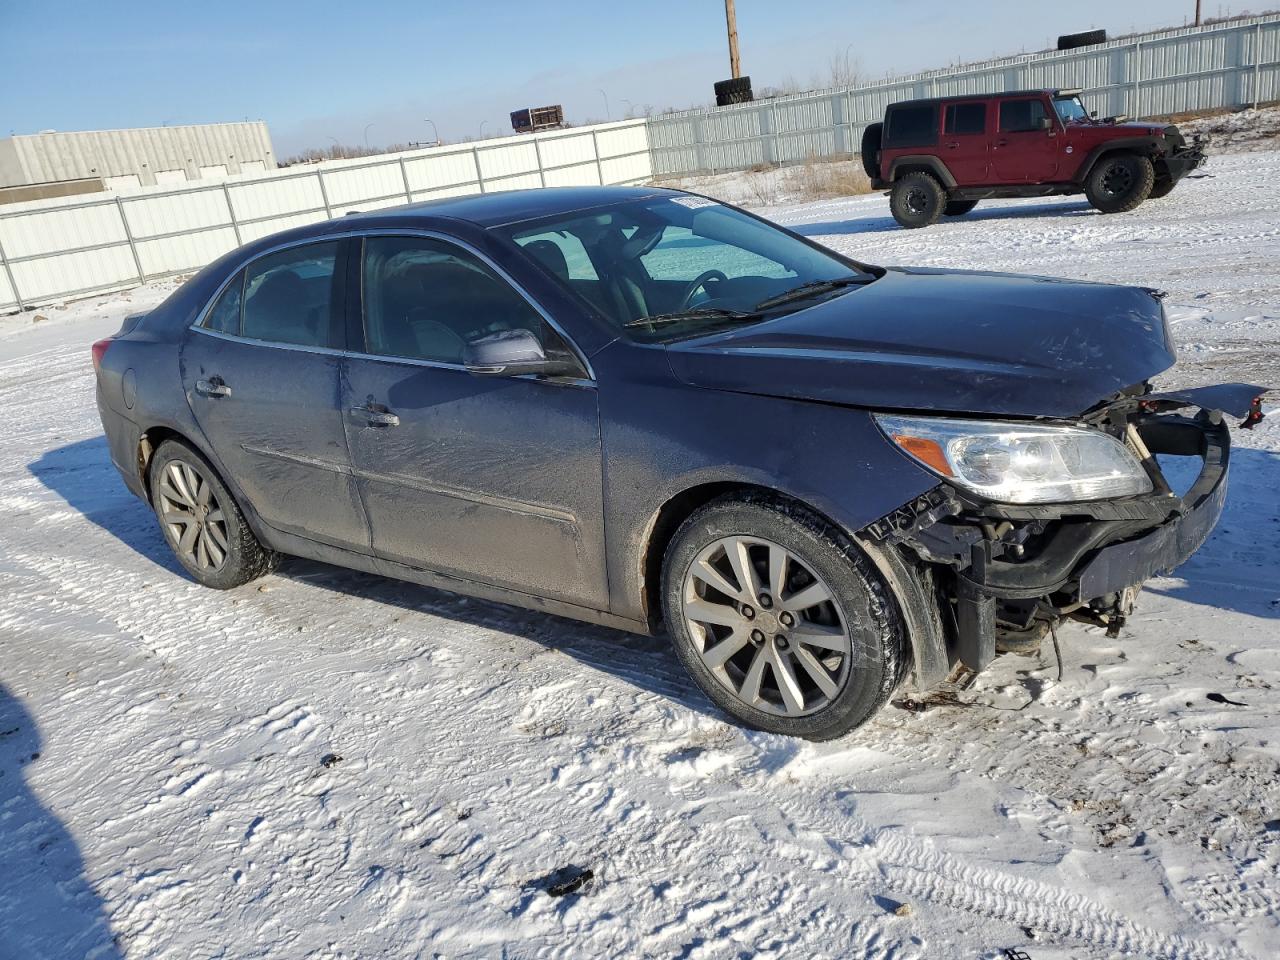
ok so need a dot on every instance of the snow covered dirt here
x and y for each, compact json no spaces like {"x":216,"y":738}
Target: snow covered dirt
{"x":325,"y":764}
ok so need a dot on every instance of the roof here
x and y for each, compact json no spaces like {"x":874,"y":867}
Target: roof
{"x":1004,"y":94}
{"x":511,"y":206}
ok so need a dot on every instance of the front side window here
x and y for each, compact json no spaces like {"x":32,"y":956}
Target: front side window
{"x":224,"y":315}
{"x":1021,"y":116}
{"x":666,"y":257}
{"x":966,"y":118}
{"x":289,"y":297}
{"x":425,"y":299}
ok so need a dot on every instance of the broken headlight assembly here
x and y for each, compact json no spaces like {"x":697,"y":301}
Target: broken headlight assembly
{"x":1020,"y":463}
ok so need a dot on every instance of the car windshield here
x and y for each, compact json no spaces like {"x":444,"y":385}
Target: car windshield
{"x":1070,"y":109}
{"x":675,"y":266}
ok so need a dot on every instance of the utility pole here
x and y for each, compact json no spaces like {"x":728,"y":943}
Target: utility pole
{"x":1197,"y":13}
{"x":731,"y":21}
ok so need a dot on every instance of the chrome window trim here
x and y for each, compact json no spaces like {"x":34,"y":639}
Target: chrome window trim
{"x":198,"y":324}
{"x":299,"y":347}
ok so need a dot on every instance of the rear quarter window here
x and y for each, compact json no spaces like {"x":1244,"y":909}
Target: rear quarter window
{"x":913,"y":126}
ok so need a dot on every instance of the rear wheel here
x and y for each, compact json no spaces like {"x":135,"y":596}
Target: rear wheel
{"x":1120,"y":182}
{"x":780,"y":618}
{"x":917,"y":200}
{"x":958,"y":208}
{"x":201,"y":522}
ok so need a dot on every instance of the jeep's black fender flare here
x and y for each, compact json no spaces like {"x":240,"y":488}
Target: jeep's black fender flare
{"x":929,"y":163}
{"x":1148,"y":146}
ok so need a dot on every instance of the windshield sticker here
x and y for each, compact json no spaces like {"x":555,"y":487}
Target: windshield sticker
{"x":694,"y":203}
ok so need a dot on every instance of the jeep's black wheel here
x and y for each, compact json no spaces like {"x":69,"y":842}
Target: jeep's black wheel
{"x":780,"y":618}
{"x":1120,"y":182}
{"x":201,"y":521}
{"x":917,"y":200}
{"x":958,"y":208}
{"x":1164,"y":186}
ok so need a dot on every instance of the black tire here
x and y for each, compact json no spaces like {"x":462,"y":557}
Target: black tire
{"x":879,"y":657}
{"x":958,"y":208}
{"x":1163,"y":187}
{"x":1119,"y":182}
{"x":870,"y":153}
{"x":243,"y":557}
{"x":917,"y":200}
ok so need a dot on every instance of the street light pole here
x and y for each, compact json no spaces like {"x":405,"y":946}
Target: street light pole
{"x":366,"y":135}
{"x":482,"y":123}
{"x":607,"y":115}
{"x":435,"y":134}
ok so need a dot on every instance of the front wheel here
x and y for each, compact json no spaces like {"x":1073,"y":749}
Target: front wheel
{"x":1120,"y":182}
{"x":781,"y":619}
{"x":917,"y":200}
{"x":201,"y":522}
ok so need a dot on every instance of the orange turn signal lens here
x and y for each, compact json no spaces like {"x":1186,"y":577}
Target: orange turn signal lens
{"x":926,"y":451}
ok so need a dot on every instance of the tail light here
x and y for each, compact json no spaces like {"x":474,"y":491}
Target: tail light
{"x":99,"y":351}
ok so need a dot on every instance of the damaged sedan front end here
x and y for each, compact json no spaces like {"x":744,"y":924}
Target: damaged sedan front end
{"x":1036,"y":521}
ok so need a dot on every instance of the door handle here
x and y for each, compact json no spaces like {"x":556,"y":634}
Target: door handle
{"x":1002,"y":143}
{"x":953,"y":144}
{"x":213,"y":387}
{"x":376,"y":418}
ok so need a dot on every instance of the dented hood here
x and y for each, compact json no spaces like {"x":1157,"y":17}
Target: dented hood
{"x":945,"y":340}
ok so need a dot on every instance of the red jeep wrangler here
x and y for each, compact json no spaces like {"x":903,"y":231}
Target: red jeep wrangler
{"x":943,"y":156}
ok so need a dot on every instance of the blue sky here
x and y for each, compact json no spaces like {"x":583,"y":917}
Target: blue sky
{"x":325,"y":69}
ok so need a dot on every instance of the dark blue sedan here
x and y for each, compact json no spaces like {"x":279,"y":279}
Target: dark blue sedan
{"x":651,"y":410}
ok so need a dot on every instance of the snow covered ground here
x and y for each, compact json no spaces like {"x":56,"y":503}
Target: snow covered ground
{"x":326,"y":764}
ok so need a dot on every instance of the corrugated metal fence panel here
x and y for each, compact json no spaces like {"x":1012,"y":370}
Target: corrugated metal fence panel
{"x":35,"y":233}
{"x":7,"y":297}
{"x":1179,"y":71}
{"x":79,"y":272}
{"x":72,"y":245}
{"x":441,"y":175}
{"x":188,"y":251}
{"x":276,"y":196}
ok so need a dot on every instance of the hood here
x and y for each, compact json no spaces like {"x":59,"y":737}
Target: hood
{"x":949,"y":341}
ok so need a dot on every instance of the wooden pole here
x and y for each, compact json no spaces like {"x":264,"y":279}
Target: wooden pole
{"x":1197,"y":13}
{"x":731,"y":21}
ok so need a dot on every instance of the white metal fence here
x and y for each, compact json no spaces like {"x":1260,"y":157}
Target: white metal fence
{"x":59,"y":248}
{"x":1152,"y":75}
{"x":76,"y":245}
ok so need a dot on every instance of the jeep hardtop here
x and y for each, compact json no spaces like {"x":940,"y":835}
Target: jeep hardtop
{"x":942,"y":156}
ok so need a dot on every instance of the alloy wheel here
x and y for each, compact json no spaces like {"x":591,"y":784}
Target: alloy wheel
{"x":1118,"y":179}
{"x":192,"y":516}
{"x":766,"y":626}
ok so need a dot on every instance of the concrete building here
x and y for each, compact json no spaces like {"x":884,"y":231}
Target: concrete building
{"x":141,"y":157}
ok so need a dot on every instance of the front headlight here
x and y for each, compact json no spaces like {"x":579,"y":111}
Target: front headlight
{"x":1020,"y":463}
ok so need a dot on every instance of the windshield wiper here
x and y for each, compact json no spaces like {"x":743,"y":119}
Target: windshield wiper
{"x":811,"y":289}
{"x":710,"y":313}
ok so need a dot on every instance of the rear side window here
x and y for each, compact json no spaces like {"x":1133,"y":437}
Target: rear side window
{"x":289,"y":297}
{"x":965,"y":118}
{"x":915,"y":126}
{"x":1019,"y":116}
{"x":224,"y":315}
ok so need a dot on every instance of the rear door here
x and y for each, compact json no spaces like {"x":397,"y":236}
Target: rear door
{"x":1023,"y":150}
{"x":488,"y":478}
{"x":966,"y":142}
{"x":260,"y":370}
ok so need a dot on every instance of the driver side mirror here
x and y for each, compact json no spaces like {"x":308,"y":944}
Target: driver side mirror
{"x":513,"y":353}
{"x":1045,"y":123}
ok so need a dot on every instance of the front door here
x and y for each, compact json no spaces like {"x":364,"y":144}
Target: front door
{"x":261,"y":375}
{"x":493,"y":479}
{"x":966,"y":143}
{"x":1026,"y":146}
